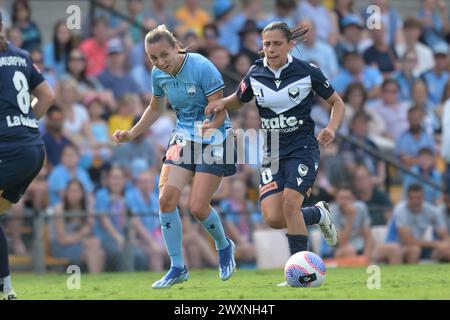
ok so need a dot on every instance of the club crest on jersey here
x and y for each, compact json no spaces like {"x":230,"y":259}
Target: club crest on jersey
{"x":294,"y":93}
{"x":191,"y":89}
{"x":302,"y":169}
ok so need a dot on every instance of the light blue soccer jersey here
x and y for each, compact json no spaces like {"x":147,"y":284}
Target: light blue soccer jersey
{"x":187,"y":92}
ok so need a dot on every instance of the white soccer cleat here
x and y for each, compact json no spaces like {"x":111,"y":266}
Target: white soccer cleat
{"x":326,"y":225}
{"x":10,"y":295}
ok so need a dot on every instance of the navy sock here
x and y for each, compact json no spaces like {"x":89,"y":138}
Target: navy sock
{"x":297,"y":243}
{"x":311,"y":215}
{"x":4,"y":265}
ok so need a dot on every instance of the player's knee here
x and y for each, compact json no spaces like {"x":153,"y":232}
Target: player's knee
{"x":273,"y":220}
{"x":167,"y":202}
{"x":199,"y":210}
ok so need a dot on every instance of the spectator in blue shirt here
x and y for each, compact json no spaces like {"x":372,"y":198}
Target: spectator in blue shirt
{"x":410,"y":142}
{"x":56,"y":52}
{"x":66,"y":171}
{"x":356,"y":71}
{"x":115,"y":76}
{"x":54,"y":138}
{"x":111,"y":205}
{"x":434,"y":17}
{"x":437,"y":78}
{"x":142,"y":202}
{"x":405,"y":76}
{"x":426,"y":168}
{"x":317,"y":51}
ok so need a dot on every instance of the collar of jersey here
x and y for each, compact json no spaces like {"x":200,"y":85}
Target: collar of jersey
{"x":277,"y":73}
{"x":182,"y":66}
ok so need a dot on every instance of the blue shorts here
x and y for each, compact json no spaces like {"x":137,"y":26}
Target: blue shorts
{"x":297,"y":172}
{"x":18,"y":167}
{"x":219,"y":160}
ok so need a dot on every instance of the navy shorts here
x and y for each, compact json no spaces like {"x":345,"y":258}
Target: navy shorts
{"x":219,"y":160}
{"x":297,"y":172}
{"x":18,"y":167}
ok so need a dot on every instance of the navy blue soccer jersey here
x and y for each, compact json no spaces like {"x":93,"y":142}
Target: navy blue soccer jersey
{"x":284,"y":99}
{"x":18,"y":78}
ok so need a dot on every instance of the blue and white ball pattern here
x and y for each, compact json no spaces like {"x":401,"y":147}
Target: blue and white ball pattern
{"x":305,"y":269}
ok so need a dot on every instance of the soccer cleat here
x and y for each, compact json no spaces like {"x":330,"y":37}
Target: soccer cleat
{"x":10,"y":295}
{"x":173,"y":276}
{"x":227,"y":263}
{"x":326,"y":225}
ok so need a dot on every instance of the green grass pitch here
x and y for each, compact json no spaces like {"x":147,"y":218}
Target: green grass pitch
{"x":397,"y":282}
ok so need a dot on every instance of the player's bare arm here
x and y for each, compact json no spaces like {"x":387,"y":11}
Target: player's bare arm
{"x":44,"y":98}
{"x":326,"y":135}
{"x":151,"y":114}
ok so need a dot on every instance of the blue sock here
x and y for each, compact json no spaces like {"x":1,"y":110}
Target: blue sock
{"x":297,"y":243}
{"x":214,"y":227}
{"x":173,"y":237}
{"x":4,"y":264}
{"x":312,"y":215}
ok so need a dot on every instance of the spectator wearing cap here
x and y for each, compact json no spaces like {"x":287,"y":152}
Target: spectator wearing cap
{"x":192,"y":17}
{"x":351,"y":38}
{"x":250,"y":40}
{"x":380,"y":54}
{"x":412,"y":30}
{"x":434,"y":17}
{"x":356,"y":71}
{"x":284,"y":12}
{"x":413,"y":139}
{"x":96,"y":48}
{"x":314,"y":11}
{"x":436,"y":78}
{"x":115,"y":77}
{"x":312,"y":49}
{"x":391,"y":19}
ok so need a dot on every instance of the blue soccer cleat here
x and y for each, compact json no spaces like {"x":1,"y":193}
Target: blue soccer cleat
{"x":227,"y":263}
{"x":173,"y":276}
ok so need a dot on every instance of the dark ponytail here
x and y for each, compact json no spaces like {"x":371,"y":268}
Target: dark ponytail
{"x":291,"y":34}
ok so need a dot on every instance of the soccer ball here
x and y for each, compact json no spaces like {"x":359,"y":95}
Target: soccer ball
{"x":305,"y":269}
